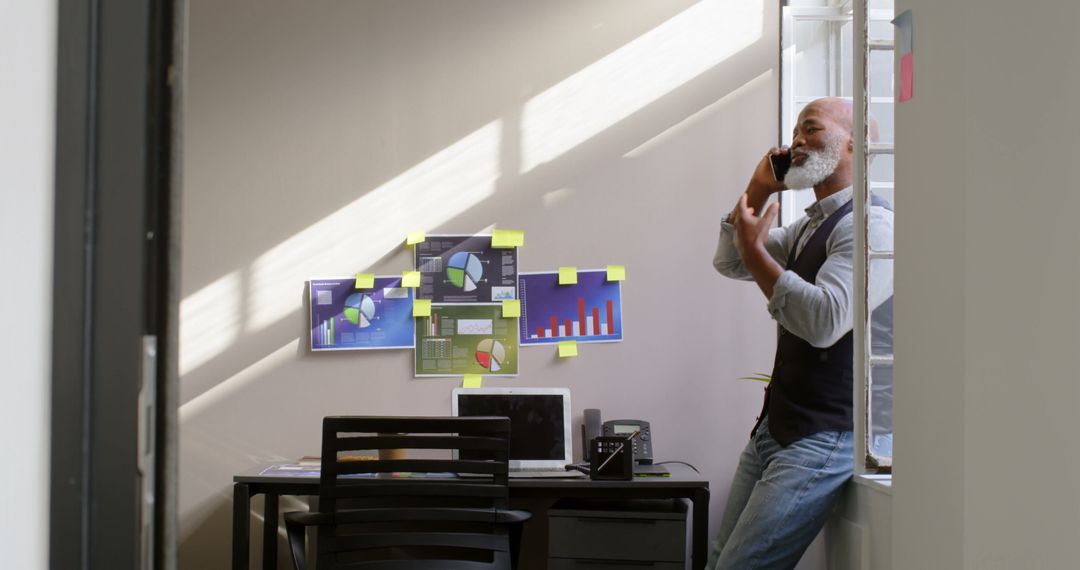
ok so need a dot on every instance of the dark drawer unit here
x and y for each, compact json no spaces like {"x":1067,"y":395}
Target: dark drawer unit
{"x":583,"y":564}
{"x":602,"y":535}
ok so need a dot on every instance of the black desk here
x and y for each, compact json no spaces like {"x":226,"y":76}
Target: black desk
{"x":683,"y":484}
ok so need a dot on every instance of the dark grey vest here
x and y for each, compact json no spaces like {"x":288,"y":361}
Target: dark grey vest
{"x":811,"y":387}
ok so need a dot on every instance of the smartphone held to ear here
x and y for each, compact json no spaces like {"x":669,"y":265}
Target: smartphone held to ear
{"x":780,"y":165}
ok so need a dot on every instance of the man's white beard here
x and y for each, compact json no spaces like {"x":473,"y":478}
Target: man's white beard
{"x":818,"y":166}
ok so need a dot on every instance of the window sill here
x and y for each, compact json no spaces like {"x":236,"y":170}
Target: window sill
{"x":879,"y":483}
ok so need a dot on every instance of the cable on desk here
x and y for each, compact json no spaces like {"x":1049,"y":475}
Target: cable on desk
{"x":680,"y":463}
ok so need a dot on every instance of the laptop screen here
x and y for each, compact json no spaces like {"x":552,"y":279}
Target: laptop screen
{"x":539,"y":422}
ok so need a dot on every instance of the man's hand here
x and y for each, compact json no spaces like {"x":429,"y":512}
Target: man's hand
{"x":751,"y":233}
{"x":762,"y":183}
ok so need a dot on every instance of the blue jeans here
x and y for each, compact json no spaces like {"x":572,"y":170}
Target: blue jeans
{"x":780,"y":499}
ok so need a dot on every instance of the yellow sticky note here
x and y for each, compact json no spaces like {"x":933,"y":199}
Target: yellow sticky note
{"x":472,"y":381}
{"x":568,"y":276}
{"x":365,"y":280}
{"x":421,"y":307}
{"x":507,"y":238}
{"x":410,"y":279}
{"x":616,"y":273}
{"x":567,"y":348}
{"x":413,"y":238}
{"x":511,"y":308}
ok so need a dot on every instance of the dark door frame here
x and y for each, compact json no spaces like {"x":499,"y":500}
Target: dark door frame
{"x":114,"y":294}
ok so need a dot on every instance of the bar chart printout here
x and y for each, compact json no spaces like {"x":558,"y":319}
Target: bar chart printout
{"x":589,"y":311}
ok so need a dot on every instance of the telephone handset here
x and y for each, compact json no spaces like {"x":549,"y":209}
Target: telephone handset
{"x":593,"y":428}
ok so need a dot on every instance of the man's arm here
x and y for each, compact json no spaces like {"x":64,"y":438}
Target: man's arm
{"x":728,"y":260}
{"x":751,"y":235}
{"x":821,"y":312}
{"x":731,"y":260}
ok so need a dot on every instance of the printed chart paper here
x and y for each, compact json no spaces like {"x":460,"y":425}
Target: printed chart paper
{"x":346,"y":318}
{"x":466,"y":339}
{"x":465,"y":269}
{"x":588,"y":311}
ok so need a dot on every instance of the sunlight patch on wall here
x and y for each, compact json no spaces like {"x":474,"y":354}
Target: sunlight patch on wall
{"x":210,"y":321}
{"x":635,"y":75}
{"x":225,"y":389}
{"x":359,"y":234}
{"x":675,"y":130}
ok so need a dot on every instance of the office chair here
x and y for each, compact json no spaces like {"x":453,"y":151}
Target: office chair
{"x":411,"y":513}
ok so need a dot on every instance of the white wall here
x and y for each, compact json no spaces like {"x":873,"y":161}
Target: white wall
{"x":611,"y":132}
{"x":859,"y":533}
{"x":986,"y":279}
{"x":27,"y":64}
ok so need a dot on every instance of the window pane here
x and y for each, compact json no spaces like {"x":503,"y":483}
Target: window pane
{"x":880,"y":29}
{"x":883,"y":112}
{"x":881,"y":73}
{"x":881,"y":432}
{"x":812,"y":58}
{"x":881,"y":178}
{"x":847,"y":61}
{"x":881,"y":325}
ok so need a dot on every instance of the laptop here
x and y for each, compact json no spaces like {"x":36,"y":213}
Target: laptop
{"x":540,"y":444}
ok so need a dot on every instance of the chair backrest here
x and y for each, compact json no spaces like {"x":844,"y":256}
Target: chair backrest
{"x":412,"y":512}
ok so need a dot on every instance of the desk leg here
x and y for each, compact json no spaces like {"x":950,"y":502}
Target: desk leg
{"x":700,"y":547}
{"x":270,"y":531}
{"x":241,"y":526}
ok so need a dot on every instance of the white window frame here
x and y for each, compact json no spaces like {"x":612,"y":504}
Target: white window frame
{"x":792,"y":204}
{"x":864,"y":151}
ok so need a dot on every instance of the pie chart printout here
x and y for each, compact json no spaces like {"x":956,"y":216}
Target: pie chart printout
{"x":343,"y":317}
{"x":359,"y":310}
{"x":460,"y":268}
{"x":490,"y":354}
{"x":464,"y":270}
{"x":458,"y":339}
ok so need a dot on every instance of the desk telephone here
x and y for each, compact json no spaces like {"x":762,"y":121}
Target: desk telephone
{"x":593,"y":428}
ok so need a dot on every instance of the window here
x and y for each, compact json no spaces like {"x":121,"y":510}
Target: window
{"x":821,"y":57}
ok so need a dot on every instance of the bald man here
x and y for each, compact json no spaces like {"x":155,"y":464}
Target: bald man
{"x":800,"y":452}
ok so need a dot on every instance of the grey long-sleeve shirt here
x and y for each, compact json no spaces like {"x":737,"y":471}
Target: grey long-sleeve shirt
{"x":820,"y":312}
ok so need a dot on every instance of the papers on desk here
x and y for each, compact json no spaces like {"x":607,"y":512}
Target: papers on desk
{"x":291,"y":470}
{"x":298,"y":470}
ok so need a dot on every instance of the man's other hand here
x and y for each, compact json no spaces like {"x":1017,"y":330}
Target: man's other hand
{"x":751,"y":230}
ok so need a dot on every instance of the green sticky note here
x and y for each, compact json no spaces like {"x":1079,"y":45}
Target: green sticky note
{"x":410,"y":279}
{"x":507,"y":238}
{"x":472,"y":381}
{"x":413,"y":238}
{"x":365,"y":280}
{"x":568,"y":276}
{"x":421,"y":307}
{"x":567,"y":348}
{"x":511,"y":308}
{"x":616,"y":273}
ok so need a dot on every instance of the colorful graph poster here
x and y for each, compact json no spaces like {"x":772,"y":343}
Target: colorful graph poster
{"x":346,"y":318}
{"x":466,"y":339}
{"x":465,"y":269}
{"x":590,"y":311}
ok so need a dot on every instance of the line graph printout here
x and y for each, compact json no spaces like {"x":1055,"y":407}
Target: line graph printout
{"x":590,"y":311}
{"x":466,"y":339}
{"x":343,"y":317}
{"x":464,"y":269}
